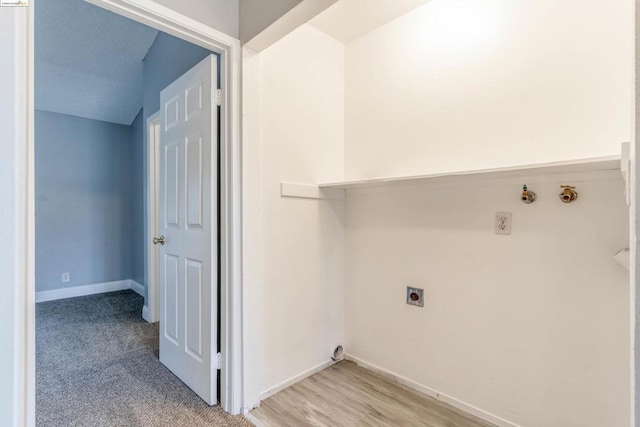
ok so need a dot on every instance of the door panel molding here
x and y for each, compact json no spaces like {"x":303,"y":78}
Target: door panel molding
{"x":189,"y":171}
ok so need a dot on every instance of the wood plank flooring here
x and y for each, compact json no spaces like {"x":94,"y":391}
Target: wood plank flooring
{"x":348,"y":395}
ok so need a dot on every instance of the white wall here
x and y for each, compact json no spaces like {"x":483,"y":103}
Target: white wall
{"x":301,"y":131}
{"x":223,"y":15}
{"x":464,"y":84}
{"x":531,"y":327}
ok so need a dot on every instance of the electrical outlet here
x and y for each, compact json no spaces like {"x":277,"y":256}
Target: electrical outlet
{"x":503,"y":222}
{"x":415,"y":296}
{"x":66,"y":277}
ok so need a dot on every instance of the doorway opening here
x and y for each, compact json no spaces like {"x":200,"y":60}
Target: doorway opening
{"x":228,"y":260}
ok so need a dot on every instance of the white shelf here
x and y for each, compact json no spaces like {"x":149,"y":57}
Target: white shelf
{"x":306,"y":191}
{"x":597,"y":164}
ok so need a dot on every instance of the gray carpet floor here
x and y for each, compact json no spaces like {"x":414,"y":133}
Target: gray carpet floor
{"x":97,"y":365}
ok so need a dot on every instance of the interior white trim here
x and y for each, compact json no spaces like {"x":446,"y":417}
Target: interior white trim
{"x":79,"y":291}
{"x":145,"y":314}
{"x":164,"y":19}
{"x":253,"y":420}
{"x":136,"y":287}
{"x":291,"y":381}
{"x":24,"y":380}
{"x":456,"y":403}
{"x":153,"y":220}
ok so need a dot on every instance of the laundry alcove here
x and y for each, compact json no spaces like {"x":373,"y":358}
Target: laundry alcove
{"x":385,"y":150}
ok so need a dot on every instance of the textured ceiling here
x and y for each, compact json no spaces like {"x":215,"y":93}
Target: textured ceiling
{"x":89,"y":61}
{"x":347,"y":20}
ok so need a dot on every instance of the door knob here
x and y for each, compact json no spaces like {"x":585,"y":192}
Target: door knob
{"x":157,"y":240}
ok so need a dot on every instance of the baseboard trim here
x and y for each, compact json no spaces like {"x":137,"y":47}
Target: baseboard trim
{"x":137,"y":287}
{"x":256,"y":422}
{"x":291,"y":381}
{"x":79,"y":291}
{"x":146,"y":314}
{"x":456,"y":403}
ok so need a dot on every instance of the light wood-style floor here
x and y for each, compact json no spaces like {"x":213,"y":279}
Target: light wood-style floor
{"x":348,"y":395}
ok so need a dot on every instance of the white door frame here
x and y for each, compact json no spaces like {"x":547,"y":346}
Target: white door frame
{"x":150,"y":311}
{"x":167,"y":20}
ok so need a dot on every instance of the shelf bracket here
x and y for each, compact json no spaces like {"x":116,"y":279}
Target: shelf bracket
{"x":306,"y":191}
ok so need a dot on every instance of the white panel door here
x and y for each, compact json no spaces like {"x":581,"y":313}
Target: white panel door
{"x":188,"y":222}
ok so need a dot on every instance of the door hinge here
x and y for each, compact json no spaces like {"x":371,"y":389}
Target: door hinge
{"x":219,"y":97}
{"x":219,"y":361}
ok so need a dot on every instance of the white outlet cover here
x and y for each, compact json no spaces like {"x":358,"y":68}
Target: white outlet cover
{"x":65,"y":277}
{"x":503,"y":222}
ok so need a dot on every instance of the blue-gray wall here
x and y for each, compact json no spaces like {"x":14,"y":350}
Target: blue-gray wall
{"x":168,"y":59}
{"x":138,"y":201}
{"x":91,"y":180}
{"x":83,"y":201}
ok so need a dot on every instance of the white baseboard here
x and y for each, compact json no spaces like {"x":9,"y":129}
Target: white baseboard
{"x":146,"y":314}
{"x":79,"y":291}
{"x":469,"y":409}
{"x":137,"y":287}
{"x":253,"y":420}
{"x":250,"y":406}
{"x":291,"y":381}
